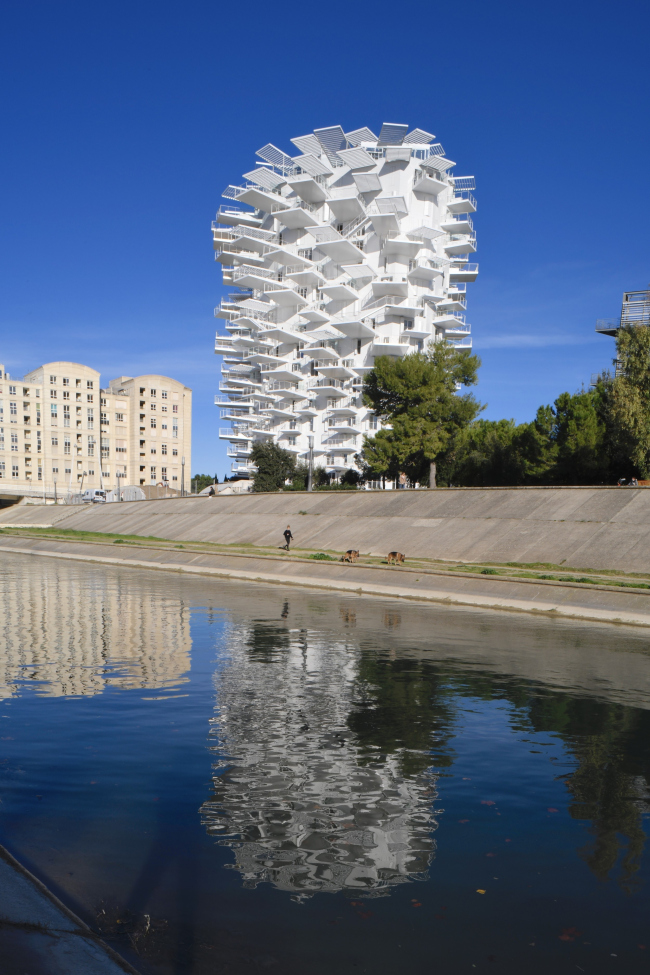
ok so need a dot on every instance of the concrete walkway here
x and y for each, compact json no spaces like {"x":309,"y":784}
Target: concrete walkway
{"x":595,"y":603}
{"x":40,"y":936}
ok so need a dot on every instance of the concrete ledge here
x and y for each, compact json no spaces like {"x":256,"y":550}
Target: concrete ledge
{"x":603,"y":604}
{"x":40,"y":935}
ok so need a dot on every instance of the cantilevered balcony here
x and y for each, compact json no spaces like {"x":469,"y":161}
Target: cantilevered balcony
{"x":346,"y":206}
{"x":253,"y":277}
{"x":421,"y":269}
{"x":451,"y":304}
{"x":428,"y":183}
{"x":340,"y":292}
{"x":256,"y":196}
{"x":236,"y":215}
{"x":462,"y":202}
{"x":305,"y":277}
{"x":387,"y":346}
{"x":299,"y":216}
{"x":284,"y":296}
{"x":468,"y":272}
{"x":308,"y":189}
{"x":383,"y":223}
{"x":400,"y":247}
{"x":354,"y":328}
{"x":460,"y":245}
{"x":392,"y":284}
{"x":336,"y":372}
{"x":457,"y":223}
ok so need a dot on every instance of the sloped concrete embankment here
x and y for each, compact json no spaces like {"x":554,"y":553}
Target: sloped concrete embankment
{"x":594,"y":603}
{"x":606,"y":528}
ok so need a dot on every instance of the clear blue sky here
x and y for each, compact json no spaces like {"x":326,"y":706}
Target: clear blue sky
{"x":123,"y":122}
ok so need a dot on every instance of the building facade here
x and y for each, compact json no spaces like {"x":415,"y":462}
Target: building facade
{"x":635,"y":310}
{"x":61,"y":431}
{"x":357,"y":246}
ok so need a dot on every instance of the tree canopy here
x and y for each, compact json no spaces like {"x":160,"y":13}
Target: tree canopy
{"x":418,"y":395}
{"x":274,"y":466}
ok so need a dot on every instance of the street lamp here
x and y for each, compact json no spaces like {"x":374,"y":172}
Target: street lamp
{"x":182,"y":477}
{"x":310,"y":475}
{"x":83,"y":474}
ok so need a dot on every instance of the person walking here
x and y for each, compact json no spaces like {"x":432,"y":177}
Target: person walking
{"x":288,"y":537}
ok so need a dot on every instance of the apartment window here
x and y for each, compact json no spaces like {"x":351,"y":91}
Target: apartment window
{"x":52,"y":380}
{"x":66,"y":445}
{"x":153,"y":392}
{"x":153,"y":450}
{"x":174,"y":452}
{"x":67,"y":470}
{"x":14,"y":441}
{"x":292,"y":441}
{"x":102,"y":402}
{"x":105,"y":447}
{"x":89,"y":398}
{"x":153,"y":422}
{"x":91,"y":446}
{"x":174,"y":478}
{"x":14,"y":470}
{"x":90,"y":417}
{"x":164,"y":394}
{"x":13,"y":409}
{"x":174,"y":431}
{"x":163,"y":448}
{"x":174,"y":409}
{"x":53,"y":412}
{"x":66,"y":416}
{"x":53,"y":394}
{"x":103,"y":417}
{"x":163,"y":471}
{"x":2,"y":438}
{"x":12,"y":390}
{"x":120,"y":446}
{"x":164,"y":409}
{"x":295,"y":367}
{"x":55,"y":470}
{"x":153,"y":406}
{"x":153,"y":471}
{"x":163,"y":426}
{"x":66,"y":394}
{"x":2,"y":468}
{"x":142,"y":391}
{"x":66,"y":382}
{"x":55,"y":441}
{"x":89,"y":384}
{"x":91,"y":473}
{"x":119,"y":417}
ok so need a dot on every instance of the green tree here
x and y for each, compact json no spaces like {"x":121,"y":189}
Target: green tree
{"x":579,"y":435}
{"x":274,"y":466}
{"x":494,"y":453}
{"x":201,"y":481}
{"x":628,"y":402}
{"x":418,"y":395}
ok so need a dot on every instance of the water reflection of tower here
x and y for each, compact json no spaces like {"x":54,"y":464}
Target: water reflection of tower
{"x":294,"y":796}
{"x":76,"y":631}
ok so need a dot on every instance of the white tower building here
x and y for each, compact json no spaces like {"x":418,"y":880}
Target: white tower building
{"x":355,"y":247}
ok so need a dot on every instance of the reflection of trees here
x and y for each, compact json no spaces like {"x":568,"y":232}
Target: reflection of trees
{"x":302,"y":803}
{"x":403,"y":707}
{"x":611,"y":745}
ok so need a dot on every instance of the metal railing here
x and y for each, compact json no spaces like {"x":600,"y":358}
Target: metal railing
{"x":227,"y":211}
{"x":469,"y":268}
{"x":464,"y":182}
{"x":464,"y":195}
{"x":462,"y":218}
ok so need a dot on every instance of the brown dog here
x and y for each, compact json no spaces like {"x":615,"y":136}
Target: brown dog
{"x":350,"y":556}
{"x":396,"y":557}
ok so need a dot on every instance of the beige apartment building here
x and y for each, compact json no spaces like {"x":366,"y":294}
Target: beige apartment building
{"x":61,"y":431}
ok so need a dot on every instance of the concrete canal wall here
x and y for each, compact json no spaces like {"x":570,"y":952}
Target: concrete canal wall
{"x":595,"y":603}
{"x":589,"y":528}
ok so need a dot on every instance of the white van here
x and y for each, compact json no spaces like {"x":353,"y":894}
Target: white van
{"x":92,"y":496}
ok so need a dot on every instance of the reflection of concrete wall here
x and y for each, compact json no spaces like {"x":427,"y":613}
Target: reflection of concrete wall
{"x":300,"y":805}
{"x":79,"y":631}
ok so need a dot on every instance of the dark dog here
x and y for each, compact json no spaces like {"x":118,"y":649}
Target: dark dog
{"x":350,"y":556}
{"x":396,"y":557}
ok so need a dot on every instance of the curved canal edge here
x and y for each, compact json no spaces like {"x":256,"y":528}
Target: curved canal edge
{"x":43,"y":936}
{"x":590,"y":603}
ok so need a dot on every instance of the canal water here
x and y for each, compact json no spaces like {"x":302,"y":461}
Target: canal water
{"x":227,"y":778}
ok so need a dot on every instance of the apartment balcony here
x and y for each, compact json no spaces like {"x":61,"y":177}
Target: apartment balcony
{"x":248,"y":470}
{"x":340,"y":292}
{"x":236,"y":216}
{"x":428,"y":183}
{"x":448,"y":319}
{"x":384,"y":223}
{"x":231,"y":257}
{"x":467,"y":273}
{"x":284,"y":335}
{"x":458,"y":223}
{"x":329,"y":387}
{"x":451,"y":304}
{"x":229,"y":433}
{"x":305,"y":277}
{"x":346,"y":207}
{"x":608,"y":326}
{"x":456,"y":331}
{"x":460,"y":245}
{"x":284,"y":296}
{"x":315,"y":315}
{"x":283,"y":373}
{"x":333,"y":245}
{"x":344,"y":426}
{"x":308,"y":189}
{"x":460,"y":343}
{"x":394,"y":285}
{"x":415,"y":333}
{"x":354,"y":328}
{"x":280,"y":414}
{"x":400,"y":247}
{"x":253,"y":277}
{"x":402,"y":309}
{"x":390,"y":347}
{"x":336,"y":372}
{"x":299,"y":216}
{"x":462,"y":202}
{"x":238,"y":451}
{"x":321,"y":352}
{"x":257,"y":196}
